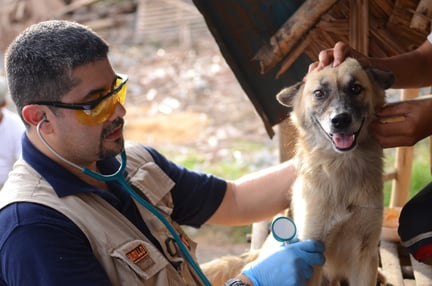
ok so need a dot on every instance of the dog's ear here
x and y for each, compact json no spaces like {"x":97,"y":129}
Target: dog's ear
{"x":286,"y":95}
{"x":384,"y":79}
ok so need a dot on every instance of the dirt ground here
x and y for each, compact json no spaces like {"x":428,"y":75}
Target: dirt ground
{"x":187,"y":98}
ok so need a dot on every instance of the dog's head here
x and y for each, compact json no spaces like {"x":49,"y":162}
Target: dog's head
{"x":337,"y":104}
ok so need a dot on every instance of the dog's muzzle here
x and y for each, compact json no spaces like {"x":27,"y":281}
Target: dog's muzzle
{"x":341,"y":139}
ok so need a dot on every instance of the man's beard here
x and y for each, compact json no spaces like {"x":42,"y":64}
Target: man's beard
{"x":105,"y":153}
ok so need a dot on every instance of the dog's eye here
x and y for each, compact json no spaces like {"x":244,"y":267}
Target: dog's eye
{"x":356,"y":89}
{"x":318,"y":93}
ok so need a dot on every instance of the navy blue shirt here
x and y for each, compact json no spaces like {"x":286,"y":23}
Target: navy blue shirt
{"x":40,"y":246}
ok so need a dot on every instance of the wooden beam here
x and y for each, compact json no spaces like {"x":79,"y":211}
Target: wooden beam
{"x":403,"y":164}
{"x":390,"y":263}
{"x":287,"y":139}
{"x":299,"y":24}
{"x":359,"y":25}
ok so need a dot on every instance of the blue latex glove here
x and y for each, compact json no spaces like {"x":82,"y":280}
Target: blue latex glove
{"x":291,"y":264}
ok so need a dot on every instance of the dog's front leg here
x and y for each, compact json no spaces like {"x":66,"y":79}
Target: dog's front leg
{"x":366,"y":274}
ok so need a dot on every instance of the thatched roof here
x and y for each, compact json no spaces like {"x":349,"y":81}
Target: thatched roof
{"x":377,"y":28}
{"x":269,"y":44}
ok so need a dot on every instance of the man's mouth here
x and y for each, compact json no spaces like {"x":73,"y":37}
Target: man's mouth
{"x":114,"y":131}
{"x":114,"y":134}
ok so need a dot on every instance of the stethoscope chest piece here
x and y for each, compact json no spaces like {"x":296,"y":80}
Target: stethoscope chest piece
{"x":284,"y":229}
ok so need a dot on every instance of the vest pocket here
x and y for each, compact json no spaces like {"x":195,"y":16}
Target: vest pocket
{"x":140,"y":257}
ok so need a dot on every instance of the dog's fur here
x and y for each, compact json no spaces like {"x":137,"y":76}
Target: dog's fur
{"x":337,"y":197}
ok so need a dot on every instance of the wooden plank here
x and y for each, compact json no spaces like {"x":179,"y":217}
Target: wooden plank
{"x":390,"y":263}
{"x":359,"y":25}
{"x":403,"y":164}
{"x":422,"y":273}
{"x":291,"y":32}
{"x":287,"y":139}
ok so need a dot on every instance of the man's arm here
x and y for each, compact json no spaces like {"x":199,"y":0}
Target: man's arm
{"x":256,"y":196}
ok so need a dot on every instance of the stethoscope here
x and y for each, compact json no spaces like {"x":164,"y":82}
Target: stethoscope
{"x":284,"y":229}
{"x":118,"y":177}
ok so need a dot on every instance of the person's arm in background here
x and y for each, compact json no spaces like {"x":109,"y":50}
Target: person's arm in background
{"x":398,"y":124}
{"x":412,"y":69}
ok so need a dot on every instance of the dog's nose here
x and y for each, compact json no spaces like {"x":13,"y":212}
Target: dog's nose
{"x":342,"y":120}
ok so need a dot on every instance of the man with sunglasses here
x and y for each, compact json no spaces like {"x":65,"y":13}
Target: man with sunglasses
{"x":71,"y":215}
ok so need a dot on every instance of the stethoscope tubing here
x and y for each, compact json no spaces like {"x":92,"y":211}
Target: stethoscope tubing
{"x":118,"y":176}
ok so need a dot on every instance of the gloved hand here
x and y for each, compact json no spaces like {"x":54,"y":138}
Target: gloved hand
{"x":290,"y":264}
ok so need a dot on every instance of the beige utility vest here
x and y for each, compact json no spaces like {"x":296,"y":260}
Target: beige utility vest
{"x":125,"y":253}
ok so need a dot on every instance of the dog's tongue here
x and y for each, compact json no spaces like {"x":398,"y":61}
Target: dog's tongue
{"x":343,"y":140}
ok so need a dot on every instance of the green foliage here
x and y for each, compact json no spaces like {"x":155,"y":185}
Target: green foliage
{"x":229,"y":163}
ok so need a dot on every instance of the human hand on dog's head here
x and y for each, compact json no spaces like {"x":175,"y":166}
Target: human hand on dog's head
{"x":336,"y":55}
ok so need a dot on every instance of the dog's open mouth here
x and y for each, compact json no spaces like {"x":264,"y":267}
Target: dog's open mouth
{"x":345,"y":141}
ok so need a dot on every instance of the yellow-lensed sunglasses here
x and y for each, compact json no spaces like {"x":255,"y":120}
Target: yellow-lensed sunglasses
{"x":100,"y":109}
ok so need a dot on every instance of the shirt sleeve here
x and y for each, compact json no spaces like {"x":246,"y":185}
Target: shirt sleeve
{"x":196,"y":195}
{"x":63,"y":255}
{"x":429,"y":37}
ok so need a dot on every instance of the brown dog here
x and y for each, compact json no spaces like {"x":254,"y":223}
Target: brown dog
{"x":338,"y":196}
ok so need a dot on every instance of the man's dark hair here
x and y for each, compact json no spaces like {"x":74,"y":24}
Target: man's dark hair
{"x":39,"y":62}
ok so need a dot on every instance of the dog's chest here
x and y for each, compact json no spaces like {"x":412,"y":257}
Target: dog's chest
{"x":330,"y":195}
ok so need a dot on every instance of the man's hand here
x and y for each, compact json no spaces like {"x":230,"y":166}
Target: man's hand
{"x":289,"y":265}
{"x":403,"y":123}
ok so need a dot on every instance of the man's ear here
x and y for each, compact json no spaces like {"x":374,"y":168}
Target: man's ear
{"x":33,"y":114}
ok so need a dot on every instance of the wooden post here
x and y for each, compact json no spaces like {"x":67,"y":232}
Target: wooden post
{"x":403,"y":165}
{"x":287,"y":140}
{"x":359,"y":25}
